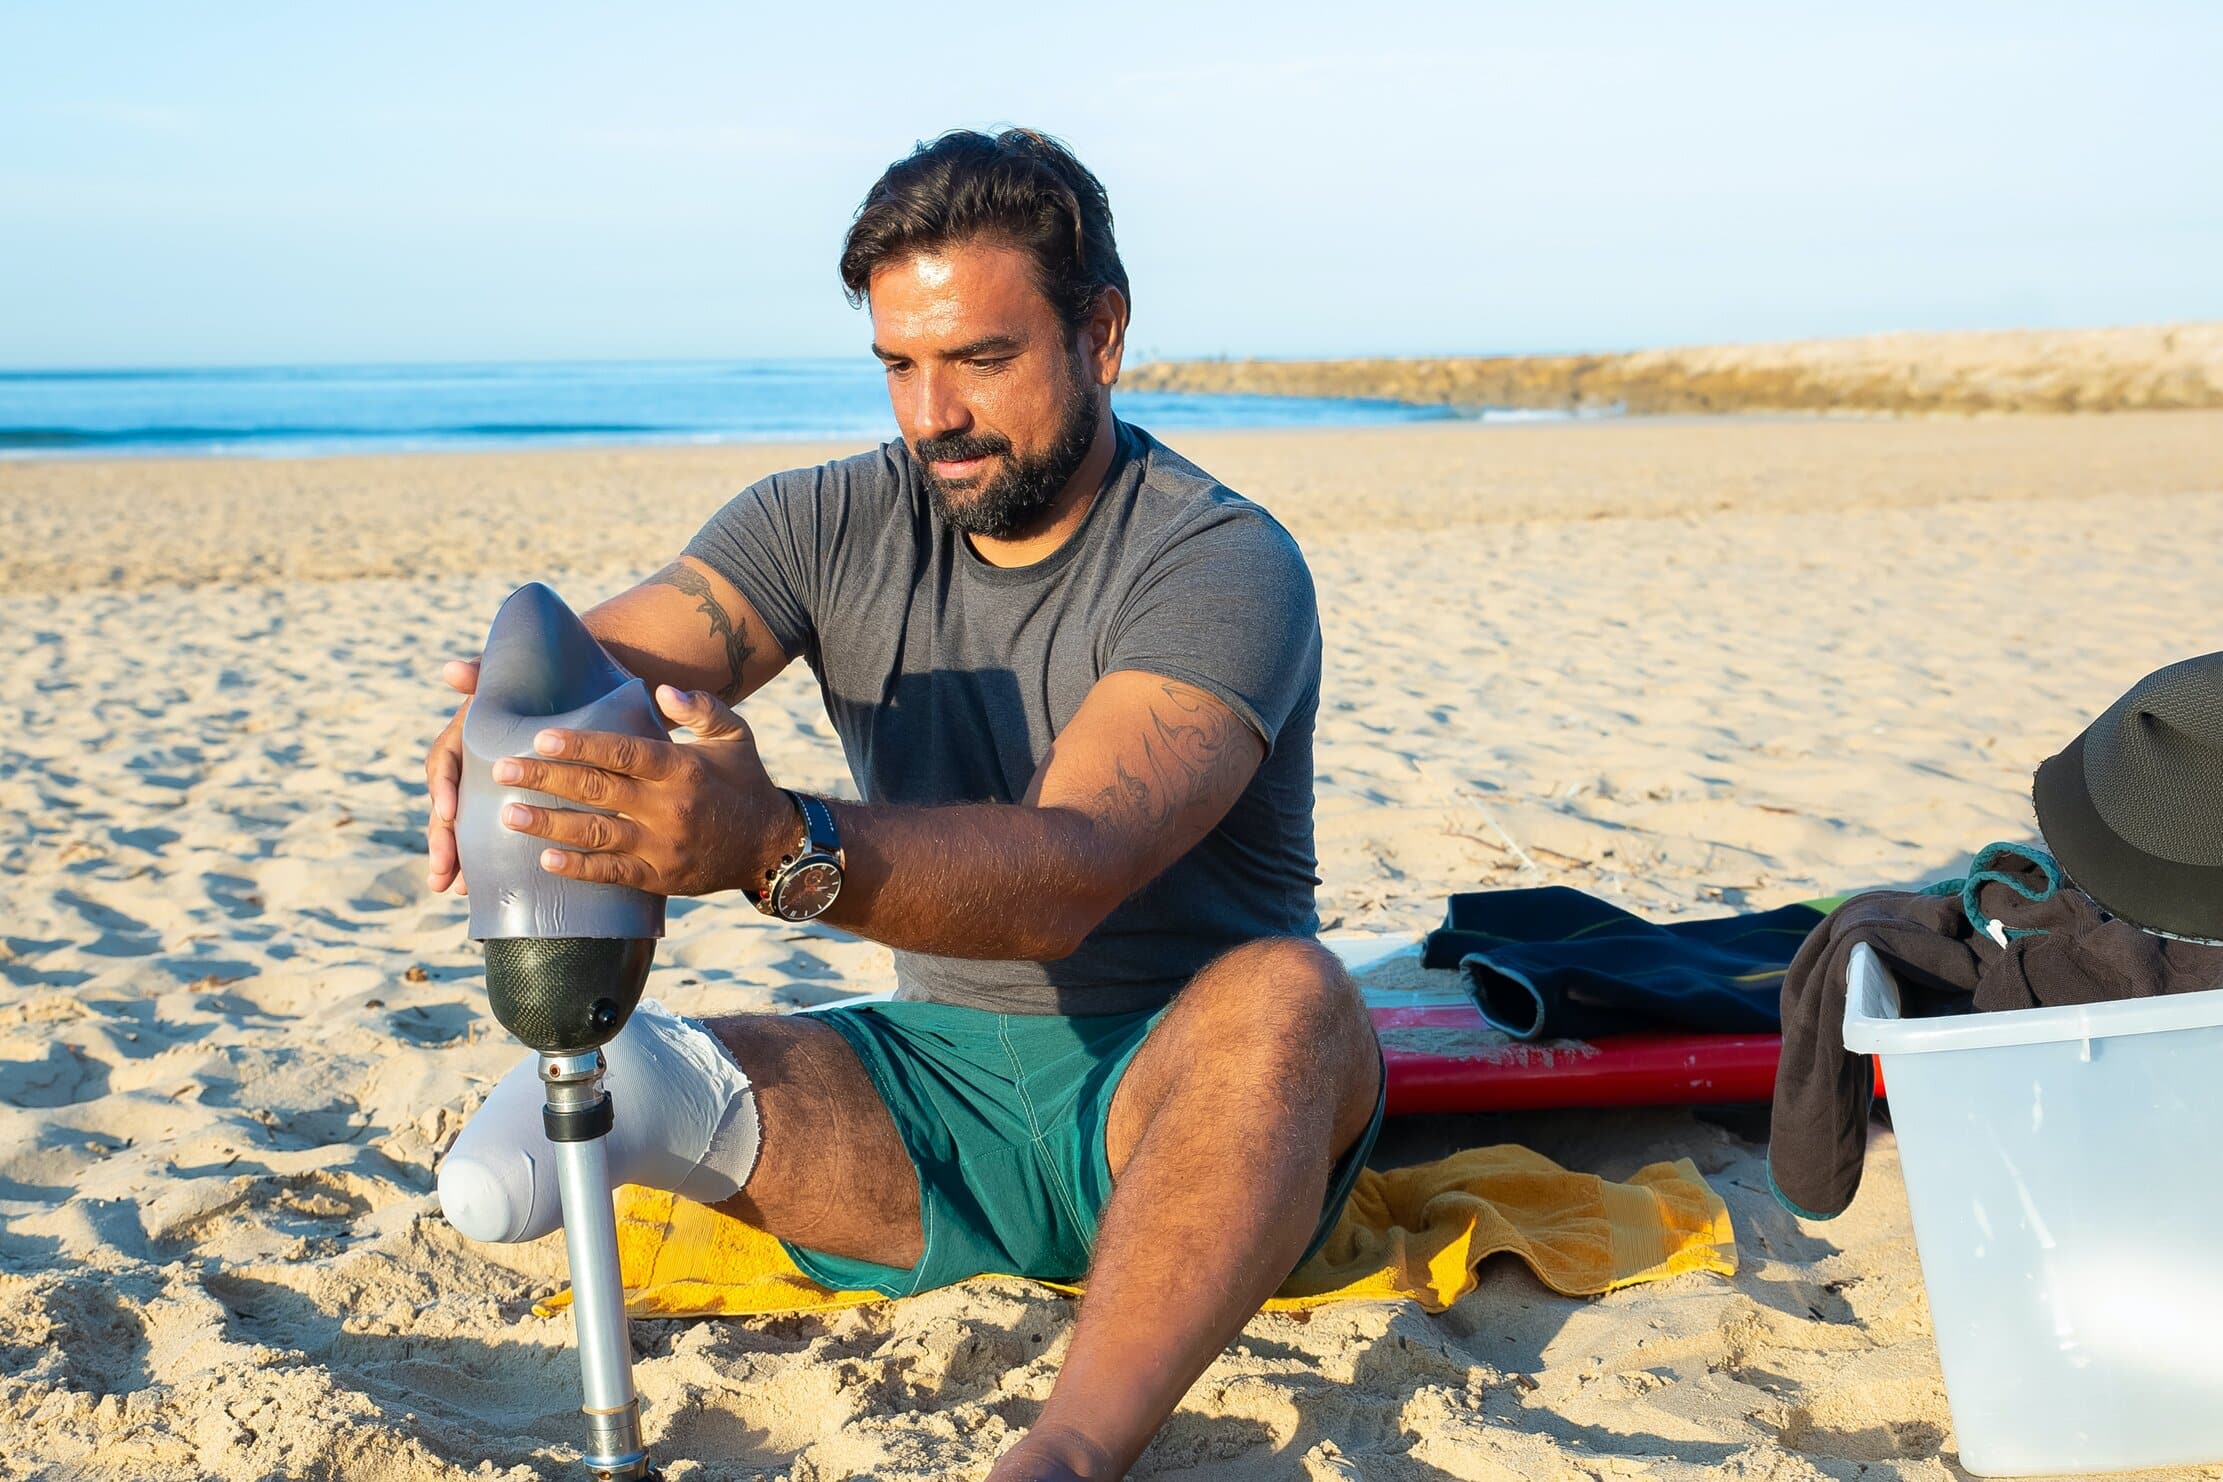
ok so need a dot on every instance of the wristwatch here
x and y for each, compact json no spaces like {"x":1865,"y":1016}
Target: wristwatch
{"x":808,"y":877}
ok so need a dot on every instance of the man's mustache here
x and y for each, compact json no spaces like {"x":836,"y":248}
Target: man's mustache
{"x":958,"y":447}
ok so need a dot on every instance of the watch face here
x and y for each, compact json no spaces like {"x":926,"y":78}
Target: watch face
{"x":809,"y":890}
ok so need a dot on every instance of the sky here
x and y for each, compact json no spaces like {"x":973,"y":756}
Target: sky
{"x":263,"y":184}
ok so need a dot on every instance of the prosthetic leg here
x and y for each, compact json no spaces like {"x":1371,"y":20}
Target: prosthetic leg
{"x":565,"y":964}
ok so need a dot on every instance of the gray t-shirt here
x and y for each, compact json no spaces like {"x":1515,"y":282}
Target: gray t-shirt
{"x":946,"y":679}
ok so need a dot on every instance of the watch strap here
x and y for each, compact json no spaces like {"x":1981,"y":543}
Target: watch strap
{"x":819,"y":834}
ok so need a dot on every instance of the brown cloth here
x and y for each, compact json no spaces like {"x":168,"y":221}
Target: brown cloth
{"x":2060,"y":948}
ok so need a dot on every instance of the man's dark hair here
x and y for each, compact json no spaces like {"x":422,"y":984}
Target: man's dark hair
{"x":1020,"y":188}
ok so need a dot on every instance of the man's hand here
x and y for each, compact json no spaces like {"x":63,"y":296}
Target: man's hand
{"x":686,"y":625}
{"x":443,"y":772}
{"x":679,"y":819}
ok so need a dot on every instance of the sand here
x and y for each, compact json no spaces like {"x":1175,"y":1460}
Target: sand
{"x":1691,"y":666}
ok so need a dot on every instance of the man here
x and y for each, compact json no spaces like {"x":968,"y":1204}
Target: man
{"x":1075,"y":679}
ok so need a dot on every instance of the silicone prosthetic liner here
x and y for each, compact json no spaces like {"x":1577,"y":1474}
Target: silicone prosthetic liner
{"x":541,"y":668}
{"x":686,"y":1122}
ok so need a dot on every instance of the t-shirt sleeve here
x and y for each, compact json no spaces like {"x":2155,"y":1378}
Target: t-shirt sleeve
{"x":1230,"y":609}
{"x":766,"y":541}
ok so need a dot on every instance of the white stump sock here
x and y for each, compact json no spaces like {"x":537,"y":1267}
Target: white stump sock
{"x":685,"y":1121}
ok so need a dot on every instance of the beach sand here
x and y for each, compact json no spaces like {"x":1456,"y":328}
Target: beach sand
{"x":1693,"y":666}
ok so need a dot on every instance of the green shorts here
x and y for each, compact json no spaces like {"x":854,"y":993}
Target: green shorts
{"x":1003,"y":1116}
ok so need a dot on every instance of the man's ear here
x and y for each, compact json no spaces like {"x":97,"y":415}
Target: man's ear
{"x":1104,"y":336}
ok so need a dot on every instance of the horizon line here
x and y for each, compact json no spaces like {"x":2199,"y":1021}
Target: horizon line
{"x":161,"y":368}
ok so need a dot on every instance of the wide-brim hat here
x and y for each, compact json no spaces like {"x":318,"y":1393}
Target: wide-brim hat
{"x":2133,"y":808}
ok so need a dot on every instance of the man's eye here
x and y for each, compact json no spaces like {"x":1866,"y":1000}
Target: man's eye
{"x":896,"y":368}
{"x":987,"y":366}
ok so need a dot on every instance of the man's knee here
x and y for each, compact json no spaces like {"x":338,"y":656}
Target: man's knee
{"x":1288,"y":987}
{"x":1285,"y":1007}
{"x":1274,"y":1024}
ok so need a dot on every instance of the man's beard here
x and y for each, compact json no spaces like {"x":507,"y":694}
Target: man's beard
{"x":1014,"y":498}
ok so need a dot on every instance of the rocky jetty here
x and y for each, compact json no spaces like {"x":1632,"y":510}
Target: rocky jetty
{"x":2086,"y":370}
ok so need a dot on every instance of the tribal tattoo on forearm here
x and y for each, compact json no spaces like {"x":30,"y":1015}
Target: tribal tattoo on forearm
{"x":1190,"y":753}
{"x":723,"y":626}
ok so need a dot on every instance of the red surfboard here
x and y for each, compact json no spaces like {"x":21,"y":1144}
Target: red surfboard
{"x":1443,"y":1058}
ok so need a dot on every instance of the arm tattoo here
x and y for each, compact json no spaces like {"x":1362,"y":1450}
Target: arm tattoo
{"x":733,"y":634}
{"x":1190,"y":753}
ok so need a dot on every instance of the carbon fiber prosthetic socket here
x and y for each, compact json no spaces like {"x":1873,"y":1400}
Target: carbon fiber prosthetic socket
{"x":560,"y":994}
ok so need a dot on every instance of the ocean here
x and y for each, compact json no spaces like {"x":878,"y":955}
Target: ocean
{"x":295,"y":410}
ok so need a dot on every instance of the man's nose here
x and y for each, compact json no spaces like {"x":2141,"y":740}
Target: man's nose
{"x":936,"y":408}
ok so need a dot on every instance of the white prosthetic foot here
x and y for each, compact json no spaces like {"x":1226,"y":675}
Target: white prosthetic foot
{"x":685,"y":1121}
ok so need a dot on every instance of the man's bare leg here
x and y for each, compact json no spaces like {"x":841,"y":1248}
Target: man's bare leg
{"x":1221,"y":1139}
{"x":832,"y":1172}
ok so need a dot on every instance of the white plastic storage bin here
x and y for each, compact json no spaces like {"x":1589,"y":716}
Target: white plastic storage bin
{"x":2064,"y":1168}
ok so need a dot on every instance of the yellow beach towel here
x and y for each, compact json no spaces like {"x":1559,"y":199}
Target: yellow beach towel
{"x":1417,"y":1233}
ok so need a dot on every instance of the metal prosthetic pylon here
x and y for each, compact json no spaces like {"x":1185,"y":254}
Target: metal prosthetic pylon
{"x":565,"y":965}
